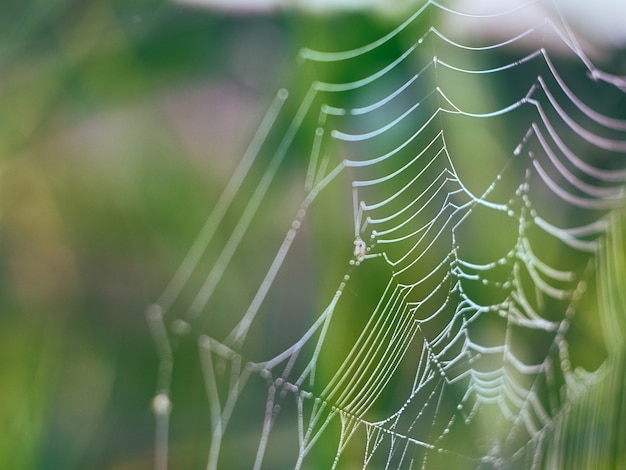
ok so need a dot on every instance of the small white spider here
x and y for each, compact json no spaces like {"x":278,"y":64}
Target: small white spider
{"x":360,"y":249}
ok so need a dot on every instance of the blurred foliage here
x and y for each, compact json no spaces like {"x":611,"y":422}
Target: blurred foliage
{"x":101,"y":196}
{"x":120,"y":121}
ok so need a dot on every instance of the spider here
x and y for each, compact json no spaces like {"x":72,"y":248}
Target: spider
{"x":360,"y":249}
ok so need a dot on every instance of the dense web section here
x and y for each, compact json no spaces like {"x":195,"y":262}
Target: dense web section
{"x":436,"y":328}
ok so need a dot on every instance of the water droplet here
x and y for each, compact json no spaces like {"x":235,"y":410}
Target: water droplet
{"x":181,"y":327}
{"x":161,"y":404}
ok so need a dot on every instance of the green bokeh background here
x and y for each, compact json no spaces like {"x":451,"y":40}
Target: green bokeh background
{"x":119,"y":124}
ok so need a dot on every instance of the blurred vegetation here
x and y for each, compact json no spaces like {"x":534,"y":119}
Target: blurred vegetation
{"x":119,"y":122}
{"x":103,"y":188}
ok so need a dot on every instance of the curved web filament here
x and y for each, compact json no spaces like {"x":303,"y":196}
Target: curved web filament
{"x":439,"y":330}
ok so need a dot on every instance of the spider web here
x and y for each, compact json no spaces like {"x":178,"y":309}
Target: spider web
{"x":390,"y":276}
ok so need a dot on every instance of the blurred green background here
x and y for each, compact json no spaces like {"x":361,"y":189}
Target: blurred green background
{"x":119,"y":124}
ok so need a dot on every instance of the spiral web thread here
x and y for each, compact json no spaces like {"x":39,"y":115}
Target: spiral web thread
{"x":481,"y":257}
